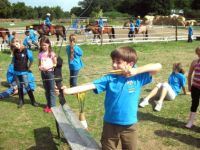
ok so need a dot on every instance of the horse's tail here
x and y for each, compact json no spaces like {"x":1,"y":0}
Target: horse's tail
{"x":113,"y":32}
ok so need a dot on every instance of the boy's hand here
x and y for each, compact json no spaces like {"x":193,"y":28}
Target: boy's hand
{"x":57,"y":90}
{"x":127,"y":70}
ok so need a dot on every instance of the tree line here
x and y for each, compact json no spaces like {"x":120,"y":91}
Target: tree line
{"x":112,"y":8}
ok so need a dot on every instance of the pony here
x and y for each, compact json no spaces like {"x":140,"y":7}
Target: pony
{"x":57,"y":30}
{"x":143,"y":29}
{"x":4,"y":33}
{"x":97,"y":33}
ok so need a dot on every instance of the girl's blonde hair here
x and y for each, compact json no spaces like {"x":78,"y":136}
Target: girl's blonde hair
{"x":45,"y":39}
{"x":179,"y":67}
{"x":72,"y":39}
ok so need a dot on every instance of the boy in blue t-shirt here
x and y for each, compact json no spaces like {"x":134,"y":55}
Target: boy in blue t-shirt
{"x":122,"y":96}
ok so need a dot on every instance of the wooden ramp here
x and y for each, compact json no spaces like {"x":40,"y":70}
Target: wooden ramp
{"x":72,"y":129}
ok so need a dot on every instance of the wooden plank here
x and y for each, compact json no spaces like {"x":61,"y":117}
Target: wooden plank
{"x":73,"y":131}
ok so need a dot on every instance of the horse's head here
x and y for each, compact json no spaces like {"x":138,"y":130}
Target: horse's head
{"x":88,"y":28}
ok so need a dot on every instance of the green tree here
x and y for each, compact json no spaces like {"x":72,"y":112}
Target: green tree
{"x":19,"y":10}
{"x":5,"y":9}
{"x":195,"y":4}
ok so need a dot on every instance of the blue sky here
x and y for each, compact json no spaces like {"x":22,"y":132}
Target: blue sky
{"x":66,"y":5}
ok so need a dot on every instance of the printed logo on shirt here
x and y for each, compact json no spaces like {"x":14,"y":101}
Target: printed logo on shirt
{"x":130,"y":86}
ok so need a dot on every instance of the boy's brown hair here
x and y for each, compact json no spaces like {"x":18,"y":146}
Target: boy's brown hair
{"x":127,"y":54}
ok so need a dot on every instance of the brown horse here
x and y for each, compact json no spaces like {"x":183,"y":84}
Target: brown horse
{"x":4,"y":33}
{"x":97,"y":32}
{"x":57,"y":30}
{"x":143,"y":29}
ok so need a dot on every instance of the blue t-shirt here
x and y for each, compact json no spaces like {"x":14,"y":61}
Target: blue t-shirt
{"x":32,"y":35}
{"x":47,"y":21}
{"x":10,"y":37}
{"x":76,"y":63}
{"x":190,"y":32}
{"x":26,"y":41}
{"x":132,"y":27}
{"x":122,"y":96}
{"x":100,"y":22}
{"x":177,"y":81}
{"x":137,"y":23}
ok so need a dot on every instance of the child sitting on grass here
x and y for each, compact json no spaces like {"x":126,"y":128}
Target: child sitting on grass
{"x":168,"y":90}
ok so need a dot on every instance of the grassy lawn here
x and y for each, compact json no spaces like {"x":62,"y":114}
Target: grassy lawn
{"x":30,"y":128}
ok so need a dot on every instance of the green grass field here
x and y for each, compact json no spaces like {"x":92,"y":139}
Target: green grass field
{"x":30,"y":128}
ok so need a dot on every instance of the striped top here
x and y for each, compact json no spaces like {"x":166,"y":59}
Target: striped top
{"x":196,"y":77}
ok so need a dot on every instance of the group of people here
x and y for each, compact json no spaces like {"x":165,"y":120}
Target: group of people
{"x":20,"y":76}
{"x":123,"y":92}
{"x":122,"y":88}
{"x":134,"y":27}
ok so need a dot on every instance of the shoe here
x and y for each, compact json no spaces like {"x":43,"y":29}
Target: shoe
{"x":35,"y":104}
{"x":49,"y":110}
{"x":158,"y":106}
{"x":46,"y":109}
{"x":20,"y":105}
{"x":144,"y":103}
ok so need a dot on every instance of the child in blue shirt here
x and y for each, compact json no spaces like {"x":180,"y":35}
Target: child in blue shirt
{"x":101,"y":24}
{"x":48,"y":22}
{"x":132,"y":30}
{"x":137,"y":23}
{"x":190,"y":33}
{"x":121,"y":99}
{"x":168,"y":90}
{"x":26,"y":41}
{"x":22,"y":61}
{"x":33,"y":37}
{"x":74,"y":54}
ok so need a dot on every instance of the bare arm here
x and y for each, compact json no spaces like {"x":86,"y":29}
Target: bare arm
{"x":79,"y":89}
{"x":152,"y":68}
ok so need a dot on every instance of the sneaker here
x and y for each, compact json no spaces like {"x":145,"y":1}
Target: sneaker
{"x":144,"y":103}
{"x":46,"y":109}
{"x":49,"y":110}
{"x":35,"y":104}
{"x":158,"y":106}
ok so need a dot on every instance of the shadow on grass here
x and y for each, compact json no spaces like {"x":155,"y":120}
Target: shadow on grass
{"x":6,"y":51}
{"x":5,"y":84}
{"x":43,"y":140}
{"x":166,"y":121}
{"x":15,"y":100}
{"x":187,"y":139}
